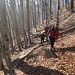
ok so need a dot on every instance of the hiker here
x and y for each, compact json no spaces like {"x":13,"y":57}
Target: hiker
{"x":53,"y":32}
{"x":46,"y":29}
{"x":42,"y":36}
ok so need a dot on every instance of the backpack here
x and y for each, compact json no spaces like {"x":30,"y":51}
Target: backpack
{"x":51,"y":28}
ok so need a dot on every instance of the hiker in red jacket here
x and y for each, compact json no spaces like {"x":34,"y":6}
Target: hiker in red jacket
{"x":53,"y":35}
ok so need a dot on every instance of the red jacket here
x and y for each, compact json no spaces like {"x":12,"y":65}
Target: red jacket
{"x":53,"y":34}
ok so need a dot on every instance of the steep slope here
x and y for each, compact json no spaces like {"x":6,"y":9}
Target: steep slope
{"x":64,"y":49}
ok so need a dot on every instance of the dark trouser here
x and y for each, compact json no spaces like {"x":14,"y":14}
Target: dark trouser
{"x":42,"y":40}
{"x":52,"y":40}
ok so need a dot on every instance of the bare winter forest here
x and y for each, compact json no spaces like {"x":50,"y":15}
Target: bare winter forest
{"x":22,"y":23}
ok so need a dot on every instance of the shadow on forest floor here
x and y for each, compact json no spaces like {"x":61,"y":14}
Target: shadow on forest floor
{"x":70,"y":49}
{"x":7,"y":72}
{"x":68,"y":30}
{"x":24,"y":48}
{"x":39,"y":70}
{"x":63,"y":50}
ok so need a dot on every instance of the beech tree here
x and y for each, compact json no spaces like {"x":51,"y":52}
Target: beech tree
{"x":72,"y":5}
{"x":5,"y":32}
{"x":27,"y":5}
{"x":58,"y":13}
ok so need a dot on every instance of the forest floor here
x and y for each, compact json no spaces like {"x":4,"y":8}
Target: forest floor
{"x":64,"y":64}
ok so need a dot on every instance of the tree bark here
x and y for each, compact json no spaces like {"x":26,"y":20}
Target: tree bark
{"x":63,"y":2}
{"x":27,"y":5}
{"x":50,"y":8}
{"x":13,"y":10}
{"x":10,"y":34}
{"x":5,"y":35}
{"x":1,"y":62}
{"x":42,"y":11}
{"x":72,"y":6}
{"x":58,"y":14}
{"x":46,"y":13}
{"x":22,"y":13}
{"x":38,"y":11}
{"x":35,"y":16}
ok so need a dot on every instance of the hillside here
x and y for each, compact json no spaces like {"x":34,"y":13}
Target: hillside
{"x":64,"y":49}
{"x":38,"y":64}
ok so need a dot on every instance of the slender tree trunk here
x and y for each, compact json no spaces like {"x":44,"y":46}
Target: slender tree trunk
{"x":33,"y":12}
{"x":1,"y":62}
{"x":63,"y":2}
{"x":22,"y":13}
{"x":44,"y":7}
{"x":58,"y":4}
{"x":66,"y":2}
{"x":38,"y":11}
{"x":58,"y":14}
{"x":46,"y":13}
{"x":35,"y":16}
{"x":27,"y":5}
{"x":10,"y":34}
{"x":50,"y":8}
{"x":72,"y":5}
{"x":42,"y":11}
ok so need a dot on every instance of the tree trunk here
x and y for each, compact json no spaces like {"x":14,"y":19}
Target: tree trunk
{"x":13,"y":9}
{"x":46,"y":13}
{"x":42,"y":11}
{"x":63,"y":2}
{"x":58,"y":4}
{"x":50,"y":8}
{"x":27,"y":5}
{"x":58,"y":14}
{"x":22,"y":13}
{"x":1,"y":57}
{"x":66,"y":2}
{"x":44,"y":7}
{"x":10,"y":34}
{"x":38,"y":11}
{"x":35,"y":16}
{"x":72,"y":6}
{"x":5,"y":35}
{"x":33,"y":13}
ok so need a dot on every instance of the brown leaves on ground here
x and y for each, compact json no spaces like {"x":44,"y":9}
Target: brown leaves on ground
{"x":40,"y":65}
{"x":64,"y":49}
